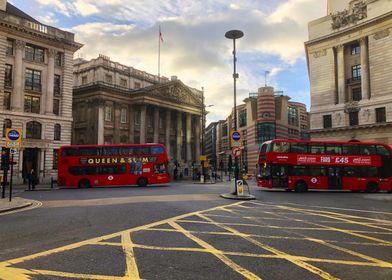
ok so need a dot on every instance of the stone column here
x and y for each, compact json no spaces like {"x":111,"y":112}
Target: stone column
{"x":50,"y":83}
{"x":341,"y":76}
{"x":17,"y":94}
{"x":179,"y":136}
{"x":167,"y":134}
{"x":101,"y":122}
{"x":116,"y":122}
{"x":197,"y":138}
{"x":131,"y":124}
{"x":365,"y":78}
{"x":188,"y":137}
{"x":156,"y":124}
{"x":143,"y":124}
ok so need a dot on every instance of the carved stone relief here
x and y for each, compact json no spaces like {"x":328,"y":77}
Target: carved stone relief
{"x":320,"y":53}
{"x":345,"y":17}
{"x":381,"y":34}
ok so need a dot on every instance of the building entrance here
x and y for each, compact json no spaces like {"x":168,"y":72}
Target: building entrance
{"x":30,"y":161}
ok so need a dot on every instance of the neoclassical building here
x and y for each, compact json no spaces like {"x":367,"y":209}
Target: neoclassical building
{"x":115,"y":103}
{"x":349,"y":55}
{"x":36,"y":63}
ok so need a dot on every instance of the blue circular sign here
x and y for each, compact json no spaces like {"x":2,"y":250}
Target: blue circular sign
{"x":13,"y":135}
{"x":236,"y":136}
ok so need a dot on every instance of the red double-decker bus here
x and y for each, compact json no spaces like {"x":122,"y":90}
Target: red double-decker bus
{"x":301,"y":165}
{"x":112,"y":165}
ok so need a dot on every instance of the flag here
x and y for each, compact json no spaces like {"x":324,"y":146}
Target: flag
{"x":160,"y":34}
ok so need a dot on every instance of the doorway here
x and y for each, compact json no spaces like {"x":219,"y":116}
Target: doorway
{"x":30,"y":161}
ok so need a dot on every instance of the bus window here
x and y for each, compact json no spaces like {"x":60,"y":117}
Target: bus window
{"x":87,"y":151}
{"x":369,"y":171}
{"x":351,"y":171}
{"x":298,"y":170}
{"x":381,"y":150}
{"x":317,"y":171}
{"x":333,"y":149}
{"x":300,"y":148}
{"x":156,"y":150}
{"x":367,"y":149}
{"x":281,"y":147}
{"x":125,"y":150}
{"x":110,"y":151}
{"x":316,"y":148}
{"x":263,"y":148}
{"x":350,"y":149}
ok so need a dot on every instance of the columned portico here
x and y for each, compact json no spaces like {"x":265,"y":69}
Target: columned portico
{"x":100,"y":123}
{"x":131,"y":115}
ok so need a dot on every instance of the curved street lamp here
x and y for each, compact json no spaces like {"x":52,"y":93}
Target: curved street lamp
{"x":235,"y":34}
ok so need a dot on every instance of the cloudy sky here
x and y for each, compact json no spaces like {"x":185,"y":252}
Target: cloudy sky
{"x":195,"y":48}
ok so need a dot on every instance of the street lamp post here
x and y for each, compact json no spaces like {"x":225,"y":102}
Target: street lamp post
{"x":235,"y":34}
{"x":203,"y":113}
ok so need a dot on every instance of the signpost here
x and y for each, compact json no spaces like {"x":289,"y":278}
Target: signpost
{"x":236,"y":138}
{"x":13,"y":140}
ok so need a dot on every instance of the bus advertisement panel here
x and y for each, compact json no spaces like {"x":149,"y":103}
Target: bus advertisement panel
{"x":301,"y":165}
{"x":112,"y":165}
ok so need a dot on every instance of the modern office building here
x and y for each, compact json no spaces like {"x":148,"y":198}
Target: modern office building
{"x":115,"y":103}
{"x":349,"y":55}
{"x":265,"y":115}
{"x":36,"y":63}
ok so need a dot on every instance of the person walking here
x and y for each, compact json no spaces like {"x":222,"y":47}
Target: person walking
{"x":32,"y":179}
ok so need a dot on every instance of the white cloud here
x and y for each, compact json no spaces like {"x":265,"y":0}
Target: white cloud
{"x":195,"y":48}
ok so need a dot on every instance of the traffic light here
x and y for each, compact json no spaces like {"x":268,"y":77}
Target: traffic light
{"x":5,"y":160}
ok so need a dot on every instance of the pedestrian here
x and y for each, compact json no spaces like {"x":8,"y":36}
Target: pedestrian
{"x":32,"y":177}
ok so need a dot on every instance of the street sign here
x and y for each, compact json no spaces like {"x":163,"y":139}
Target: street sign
{"x":236,"y":138}
{"x":236,"y":151}
{"x":202,"y":157}
{"x":240,"y":188}
{"x":13,"y":138}
{"x":13,"y":151}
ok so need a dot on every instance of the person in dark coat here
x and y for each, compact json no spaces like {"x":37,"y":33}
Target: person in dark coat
{"x":32,"y":179}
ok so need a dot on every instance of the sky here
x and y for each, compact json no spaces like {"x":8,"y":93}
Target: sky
{"x":194,"y":46}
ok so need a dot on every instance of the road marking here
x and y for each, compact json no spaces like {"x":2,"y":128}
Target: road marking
{"x":9,"y":271}
{"x":35,"y":204}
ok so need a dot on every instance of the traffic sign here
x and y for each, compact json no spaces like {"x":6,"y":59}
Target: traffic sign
{"x":13,"y":137}
{"x":13,"y":151}
{"x":236,"y":138}
{"x":236,"y":151}
{"x":240,"y":188}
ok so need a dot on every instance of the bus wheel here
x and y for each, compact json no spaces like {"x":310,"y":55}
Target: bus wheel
{"x":372,"y":187}
{"x":84,"y":184}
{"x":142,"y":182}
{"x":301,"y":186}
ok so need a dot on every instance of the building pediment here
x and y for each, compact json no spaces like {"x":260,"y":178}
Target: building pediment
{"x":176,"y":92}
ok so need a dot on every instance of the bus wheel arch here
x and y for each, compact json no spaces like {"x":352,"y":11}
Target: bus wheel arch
{"x":301,"y":186}
{"x":84,"y":183}
{"x":372,"y":187}
{"x":142,"y":182}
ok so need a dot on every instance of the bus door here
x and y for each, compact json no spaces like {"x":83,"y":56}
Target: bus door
{"x":335,"y":174}
{"x":279,"y":176}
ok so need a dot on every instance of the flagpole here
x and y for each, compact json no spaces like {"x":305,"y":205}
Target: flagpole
{"x":159,"y":54}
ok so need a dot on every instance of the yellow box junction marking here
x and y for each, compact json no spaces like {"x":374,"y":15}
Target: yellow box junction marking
{"x":8,"y":271}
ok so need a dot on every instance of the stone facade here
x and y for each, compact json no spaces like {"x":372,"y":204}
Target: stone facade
{"x":114,"y":103}
{"x":36,"y":89}
{"x":349,"y":55}
{"x":265,"y":115}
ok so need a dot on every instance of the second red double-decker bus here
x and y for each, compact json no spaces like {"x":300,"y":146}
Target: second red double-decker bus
{"x":301,"y":165}
{"x":112,"y":165}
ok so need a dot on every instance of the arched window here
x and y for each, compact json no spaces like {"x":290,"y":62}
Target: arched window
{"x":33,"y":130}
{"x":57,"y":132}
{"x":7,"y":124}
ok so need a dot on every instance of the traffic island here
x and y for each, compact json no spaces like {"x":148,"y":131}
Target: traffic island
{"x":240,"y":191}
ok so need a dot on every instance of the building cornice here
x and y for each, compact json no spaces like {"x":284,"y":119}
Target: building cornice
{"x":355,"y":127}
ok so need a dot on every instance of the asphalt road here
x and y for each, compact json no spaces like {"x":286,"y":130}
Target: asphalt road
{"x":186,"y":231}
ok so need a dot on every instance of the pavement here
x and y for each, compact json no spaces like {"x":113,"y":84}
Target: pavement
{"x":18,"y":202}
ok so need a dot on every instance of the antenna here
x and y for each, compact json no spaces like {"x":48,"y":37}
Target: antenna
{"x":265,"y":76}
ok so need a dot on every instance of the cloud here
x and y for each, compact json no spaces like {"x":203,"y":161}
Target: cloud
{"x":194,"y":47}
